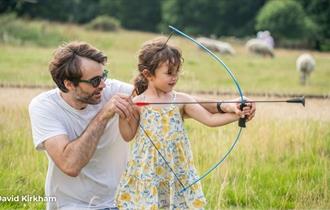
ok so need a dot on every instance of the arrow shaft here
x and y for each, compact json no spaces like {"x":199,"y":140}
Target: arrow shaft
{"x":211,"y":102}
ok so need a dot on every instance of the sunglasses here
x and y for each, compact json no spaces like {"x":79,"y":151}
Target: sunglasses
{"x":95,"y":81}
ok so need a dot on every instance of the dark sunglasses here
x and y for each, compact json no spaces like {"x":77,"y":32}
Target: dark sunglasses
{"x":95,"y":81}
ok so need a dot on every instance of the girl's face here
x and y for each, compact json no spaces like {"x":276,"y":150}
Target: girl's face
{"x":164,"y":79}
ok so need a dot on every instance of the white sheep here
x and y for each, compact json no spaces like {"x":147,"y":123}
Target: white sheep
{"x":265,"y":36}
{"x":259,"y":47}
{"x":305,"y":65}
{"x":217,"y":46}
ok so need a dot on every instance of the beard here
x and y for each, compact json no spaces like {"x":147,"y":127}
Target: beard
{"x":88,"y":98}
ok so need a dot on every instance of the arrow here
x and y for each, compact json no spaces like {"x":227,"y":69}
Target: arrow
{"x":300,"y":100}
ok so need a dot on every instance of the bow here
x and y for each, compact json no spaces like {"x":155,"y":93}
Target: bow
{"x":242,"y":101}
{"x":241,"y":123}
{"x":241,"y":120}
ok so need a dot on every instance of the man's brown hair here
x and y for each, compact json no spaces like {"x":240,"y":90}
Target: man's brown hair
{"x":66,"y":63}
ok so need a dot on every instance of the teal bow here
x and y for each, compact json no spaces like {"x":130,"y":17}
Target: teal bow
{"x":242,"y":120}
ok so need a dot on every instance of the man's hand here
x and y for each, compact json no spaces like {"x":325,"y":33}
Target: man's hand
{"x":120,"y":104}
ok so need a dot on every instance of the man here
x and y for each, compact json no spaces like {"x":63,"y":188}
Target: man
{"x":77,"y":125}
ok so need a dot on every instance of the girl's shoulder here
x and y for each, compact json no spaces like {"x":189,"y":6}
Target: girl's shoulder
{"x":184,"y":97}
{"x":138,"y":98}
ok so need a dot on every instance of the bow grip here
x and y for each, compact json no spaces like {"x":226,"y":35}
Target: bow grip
{"x":242,"y":120}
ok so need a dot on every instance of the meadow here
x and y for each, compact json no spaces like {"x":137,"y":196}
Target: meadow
{"x":282,"y":160}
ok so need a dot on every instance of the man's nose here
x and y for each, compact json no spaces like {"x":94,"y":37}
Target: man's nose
{"x":102,"y":84}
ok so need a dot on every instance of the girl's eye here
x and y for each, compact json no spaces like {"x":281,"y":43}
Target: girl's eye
{"x":174,"y":73}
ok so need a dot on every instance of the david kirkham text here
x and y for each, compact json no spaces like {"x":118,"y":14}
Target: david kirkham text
{"x":27,"y":198}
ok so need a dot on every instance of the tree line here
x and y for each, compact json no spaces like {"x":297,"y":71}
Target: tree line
{"x":290,"y":21}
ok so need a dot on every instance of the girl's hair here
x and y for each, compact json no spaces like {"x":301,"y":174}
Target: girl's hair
{"x":152,"y":54}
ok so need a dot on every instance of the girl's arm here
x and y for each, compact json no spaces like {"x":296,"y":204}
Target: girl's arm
{"x":197,"y":112}
{"x":227,"y":107}
{"x":128,"y":126}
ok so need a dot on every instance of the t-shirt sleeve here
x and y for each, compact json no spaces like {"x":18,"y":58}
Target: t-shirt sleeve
{"x":116,"y":86}
{"x":44,"y":123}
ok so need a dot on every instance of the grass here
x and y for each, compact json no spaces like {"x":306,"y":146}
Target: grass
{"x":27,"y":63}
{"x":268,"y":170}
{"x":22,"y":169}
{"x":282,"y":159}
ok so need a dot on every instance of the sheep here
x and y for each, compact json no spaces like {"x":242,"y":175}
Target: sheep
{"x":265,"y":36}
{"x":305,"y":64}
{"x":217,"y":46}
{"x":259,"y":47}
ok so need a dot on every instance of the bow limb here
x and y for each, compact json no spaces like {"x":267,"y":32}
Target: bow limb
{"x":241,"y":121}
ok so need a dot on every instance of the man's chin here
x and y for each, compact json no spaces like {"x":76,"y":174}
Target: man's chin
{"x":95,"y":101}
{"x":91,"y":101}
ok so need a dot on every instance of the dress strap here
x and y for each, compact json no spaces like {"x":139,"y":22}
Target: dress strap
{"x":143,"y":97}
{"x":173,"y":96}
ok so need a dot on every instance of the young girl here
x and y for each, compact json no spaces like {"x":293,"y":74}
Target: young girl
{"x":161,"y":159}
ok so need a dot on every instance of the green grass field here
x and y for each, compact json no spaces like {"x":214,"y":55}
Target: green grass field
{"x":27,"y":63}
{"x":282,"y":160}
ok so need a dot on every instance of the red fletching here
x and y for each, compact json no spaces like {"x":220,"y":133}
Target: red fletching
{"x":141,"y":103}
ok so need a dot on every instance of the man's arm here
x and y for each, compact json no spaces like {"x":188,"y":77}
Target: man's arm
{"x":72,"y":156}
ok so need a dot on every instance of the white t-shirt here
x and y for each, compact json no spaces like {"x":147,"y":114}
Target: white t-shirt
{"x":96,"y":184}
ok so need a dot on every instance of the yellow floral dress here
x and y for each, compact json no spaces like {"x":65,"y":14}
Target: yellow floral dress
{"x":148,"y":183}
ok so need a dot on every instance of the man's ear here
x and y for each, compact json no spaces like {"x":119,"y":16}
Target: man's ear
{"x":146,"y":73}
{"x":69,"y":85}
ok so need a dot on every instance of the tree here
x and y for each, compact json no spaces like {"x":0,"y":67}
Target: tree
{"x":285,"y":19}
{"x":237,"y":17}
{"x":110,"y":8}
{"x":140,"y":15}
{"x":319,"y":12}
{"x":212,"y":17}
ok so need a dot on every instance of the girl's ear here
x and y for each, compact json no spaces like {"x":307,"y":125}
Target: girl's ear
{"x":146,"y":73}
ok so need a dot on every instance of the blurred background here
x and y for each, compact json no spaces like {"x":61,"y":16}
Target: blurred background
{"x":293,"y":23}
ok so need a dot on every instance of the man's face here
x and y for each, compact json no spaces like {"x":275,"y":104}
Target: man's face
{"x":85,"y":92}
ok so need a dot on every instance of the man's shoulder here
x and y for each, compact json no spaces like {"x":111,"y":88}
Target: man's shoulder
{"x":115,"y":86}
{"x":43,"y":98}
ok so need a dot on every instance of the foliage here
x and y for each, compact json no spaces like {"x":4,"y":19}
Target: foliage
{"x":255,"y":74}
{"x":78,"y":11}
{"x":19,"y":32}
{"x":212,"y":17}
{"x":110,"y":8}
{"x":198,"y":17}
{"x":104,"y":23}
{"x":285,"y":19}
{"x":318,"y":11}
{"x":140,"y":15}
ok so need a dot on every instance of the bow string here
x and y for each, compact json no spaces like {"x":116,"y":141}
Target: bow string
{"x":239,"y":89}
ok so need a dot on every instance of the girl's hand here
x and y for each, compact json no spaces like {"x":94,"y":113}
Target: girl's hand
{"x":248,"y":111}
